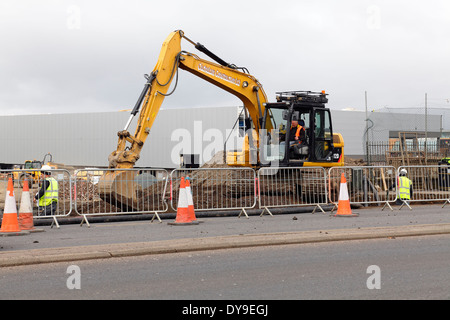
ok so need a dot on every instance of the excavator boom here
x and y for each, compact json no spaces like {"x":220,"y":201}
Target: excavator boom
{"x":242,"y":85}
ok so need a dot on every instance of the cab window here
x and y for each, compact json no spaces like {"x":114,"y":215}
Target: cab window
{"x":322,"y":134}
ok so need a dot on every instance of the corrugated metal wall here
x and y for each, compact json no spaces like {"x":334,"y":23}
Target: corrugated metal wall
{"x":75,"y":139}
{"x":352,"y":125}
{"x":86,"y":139}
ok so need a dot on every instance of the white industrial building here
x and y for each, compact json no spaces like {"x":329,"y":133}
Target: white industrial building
{"x":87,"y":139}
{"x":381,"y":126}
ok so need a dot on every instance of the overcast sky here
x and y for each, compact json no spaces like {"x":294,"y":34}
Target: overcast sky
{"x":90,"y":56}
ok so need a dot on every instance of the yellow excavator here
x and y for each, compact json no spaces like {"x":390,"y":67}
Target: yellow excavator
{"x":268,"y":142}
{"x":31,"y":170}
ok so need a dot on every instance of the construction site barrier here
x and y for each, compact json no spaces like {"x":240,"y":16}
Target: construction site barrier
{"x":227,"y":188}
{"x":217,"y":188}
{"x":129,"y":191}
{"x":293,"y":186}
{"x":429,"y":183}
{"x":63,"y":206}
{"x":366,"y":184}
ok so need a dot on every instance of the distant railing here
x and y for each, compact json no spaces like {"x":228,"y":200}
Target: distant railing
{"x":391,"y":154}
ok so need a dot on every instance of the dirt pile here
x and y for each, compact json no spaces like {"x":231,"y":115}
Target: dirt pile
{"x":217,"y":161}
{"x":350,"y":162}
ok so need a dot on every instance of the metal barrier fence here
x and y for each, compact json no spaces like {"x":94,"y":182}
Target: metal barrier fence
{"x":125,"y":191}
{"x":62,"y":207}
{"x":283,"y":187}
{"x":366,"y":184}
{"x":429,"y":183}
{"x":217,"y":188}
{"x":147,"y":190}
{"x":405,"y":152}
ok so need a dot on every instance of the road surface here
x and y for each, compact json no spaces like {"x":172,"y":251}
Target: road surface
{"x":408,"y":268}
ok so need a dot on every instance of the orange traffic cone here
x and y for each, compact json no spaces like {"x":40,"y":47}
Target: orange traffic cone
{"x":25,"y":209}
{"x":10,"y":223}
{"x":344,"y":209}
{"x":182,"y":217}
{"x":190,"y":201}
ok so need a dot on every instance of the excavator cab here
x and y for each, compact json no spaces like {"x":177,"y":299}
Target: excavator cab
{"x":302,"y":133}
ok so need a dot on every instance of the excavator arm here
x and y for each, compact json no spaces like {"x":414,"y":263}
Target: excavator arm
{"x":223,"y":75}
{"x":118,"y":184}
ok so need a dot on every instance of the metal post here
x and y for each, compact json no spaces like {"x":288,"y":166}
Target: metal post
{"x":367,"y":132}
{"x":426,"y":131}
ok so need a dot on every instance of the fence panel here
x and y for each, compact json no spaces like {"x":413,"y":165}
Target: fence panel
{"x":299,"y":186}
{"x":429,"y":183}
{"x":217,"y":188}
{"x":34,"y":179}
{"x":366,"y":184}
{"x":406,"y":152}
{"x":133,"y":191}
{"x":229,"y":188}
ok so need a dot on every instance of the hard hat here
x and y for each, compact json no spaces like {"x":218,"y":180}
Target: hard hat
{"x":403,"y":171}
{"x":46,"y":169}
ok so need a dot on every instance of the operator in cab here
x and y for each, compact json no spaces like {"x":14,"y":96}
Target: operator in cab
{"x":297,"y":132}
{"x":298,"y":148}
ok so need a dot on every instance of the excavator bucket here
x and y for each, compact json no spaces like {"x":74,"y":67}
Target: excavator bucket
{"x":119,"y":189}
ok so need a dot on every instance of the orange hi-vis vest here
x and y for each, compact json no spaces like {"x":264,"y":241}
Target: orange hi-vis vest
{"x":299,"y":129}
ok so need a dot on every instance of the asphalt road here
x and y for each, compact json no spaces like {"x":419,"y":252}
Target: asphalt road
{"x":409,"y":268}
{"x":247,"y":258}
{"x":144,"y":231}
